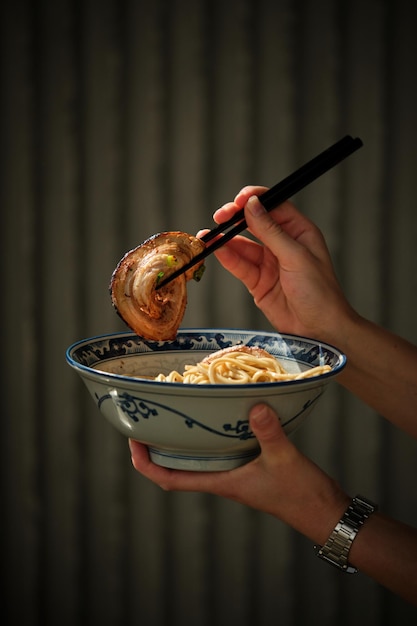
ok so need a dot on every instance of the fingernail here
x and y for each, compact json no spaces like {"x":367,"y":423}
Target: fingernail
{"x":255,"y":207}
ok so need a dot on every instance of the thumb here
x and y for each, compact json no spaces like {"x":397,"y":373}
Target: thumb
{"x":270,"y":232}
{"x":266,"y":427}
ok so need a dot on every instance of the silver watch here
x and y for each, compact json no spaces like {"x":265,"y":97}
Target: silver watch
{"x":336,"y":549}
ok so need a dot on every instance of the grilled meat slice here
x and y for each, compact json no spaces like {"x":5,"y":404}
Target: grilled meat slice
{"x":155,"y":313}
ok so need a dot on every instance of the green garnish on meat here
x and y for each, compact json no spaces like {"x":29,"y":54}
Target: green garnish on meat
{"x":198,"y":274}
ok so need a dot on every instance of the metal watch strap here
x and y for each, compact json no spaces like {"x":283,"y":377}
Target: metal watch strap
{"x":336,"y":549}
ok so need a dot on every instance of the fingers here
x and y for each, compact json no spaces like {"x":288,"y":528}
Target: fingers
{"x":241,"y":257}
{"x":249,"y":190}
{"x":238,"y":256}
{"x":292,"y":222}
{"x":271,"y":232}
{"x":227,"y":211}
{"x":174,"y":480}
{"x":143,"y":464}
{"x":224,"y":213}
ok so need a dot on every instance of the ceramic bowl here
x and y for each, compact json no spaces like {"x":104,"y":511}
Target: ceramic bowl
{"x":197,"y":427}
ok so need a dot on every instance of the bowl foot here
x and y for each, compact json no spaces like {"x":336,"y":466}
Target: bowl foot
{"x":201,"y":463}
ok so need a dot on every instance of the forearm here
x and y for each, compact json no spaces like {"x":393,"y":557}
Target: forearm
{"x":381,"y":370}
{"x":386,"y":550}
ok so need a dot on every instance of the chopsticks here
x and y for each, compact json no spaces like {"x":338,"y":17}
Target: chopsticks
{"x":272,"y":198}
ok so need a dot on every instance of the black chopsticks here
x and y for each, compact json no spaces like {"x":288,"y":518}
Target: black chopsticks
{"x":274,"y":197}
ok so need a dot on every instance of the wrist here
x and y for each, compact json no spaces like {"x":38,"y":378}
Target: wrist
{"x":342,"y":328}
{"x":318,"y":514}
{"x":331,"y":511}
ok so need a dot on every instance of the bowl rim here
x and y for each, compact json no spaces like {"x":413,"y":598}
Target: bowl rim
{"x":96,"y":373}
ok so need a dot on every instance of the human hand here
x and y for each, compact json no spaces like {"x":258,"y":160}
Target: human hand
{"x":280,"y":481}
{"x":291,"y":276}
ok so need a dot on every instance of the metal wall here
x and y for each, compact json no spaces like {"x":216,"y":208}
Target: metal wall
{"x":120,"y":119}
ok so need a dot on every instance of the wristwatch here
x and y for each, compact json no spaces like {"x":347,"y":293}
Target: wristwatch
{"x":336,"y":549}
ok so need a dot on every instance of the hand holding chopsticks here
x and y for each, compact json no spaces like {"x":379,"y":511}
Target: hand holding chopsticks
{"x":272,"y":198}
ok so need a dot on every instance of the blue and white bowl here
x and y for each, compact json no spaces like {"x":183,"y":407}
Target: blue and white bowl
{"x":197,"y":427}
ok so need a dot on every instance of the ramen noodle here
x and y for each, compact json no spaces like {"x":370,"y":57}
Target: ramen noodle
{"x":238,"y":365}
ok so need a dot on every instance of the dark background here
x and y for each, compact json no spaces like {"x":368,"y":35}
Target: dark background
{"x":120,"y":119}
